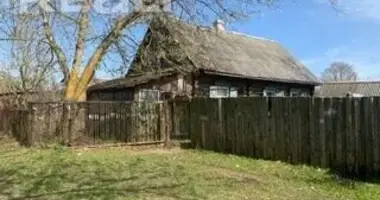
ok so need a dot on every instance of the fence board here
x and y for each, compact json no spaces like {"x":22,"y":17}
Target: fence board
{"x":90,"y":123}
{"x":338,"y":133}
{"x":376,"y":136}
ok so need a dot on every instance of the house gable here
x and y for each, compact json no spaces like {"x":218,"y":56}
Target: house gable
{"x":159,"y":52}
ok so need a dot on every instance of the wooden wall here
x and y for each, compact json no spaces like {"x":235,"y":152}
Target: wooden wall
{"x":245,"y":87}
{"x":175,"y":85}
{"x":197,"y":85}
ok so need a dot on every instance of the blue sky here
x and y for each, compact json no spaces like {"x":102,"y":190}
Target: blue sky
{"x":318,"y":34}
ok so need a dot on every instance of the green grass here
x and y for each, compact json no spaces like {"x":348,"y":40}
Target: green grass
{"x":163,"y":174}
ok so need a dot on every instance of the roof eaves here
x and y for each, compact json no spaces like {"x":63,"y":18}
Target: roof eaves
{"x":211,"y":72}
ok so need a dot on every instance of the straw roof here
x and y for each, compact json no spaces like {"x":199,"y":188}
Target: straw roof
{"x":236,"y":54}
{"x":215,"y":52}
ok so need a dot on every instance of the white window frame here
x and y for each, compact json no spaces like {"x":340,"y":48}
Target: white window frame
{"x":270,"y":90}
{"x":218,"y":88}
{"x":149,"y":90}
{"x":233,"y":93}
{"x":295,"y":92}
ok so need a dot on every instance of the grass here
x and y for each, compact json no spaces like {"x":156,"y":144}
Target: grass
{"x":121,"y":173}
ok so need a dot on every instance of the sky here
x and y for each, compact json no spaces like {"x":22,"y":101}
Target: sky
{"x":318,"y":33}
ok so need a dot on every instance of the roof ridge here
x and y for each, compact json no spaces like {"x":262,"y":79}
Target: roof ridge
{"x":250,"y":36}
{"x":351,"y":82}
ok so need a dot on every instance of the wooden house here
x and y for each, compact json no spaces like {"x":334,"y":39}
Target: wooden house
{"x":179,"y":59}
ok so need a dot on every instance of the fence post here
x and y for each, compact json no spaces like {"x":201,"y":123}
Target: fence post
{"x":65,"y":123}
{"x":161,"y":112}
{"x":168,"y":122}
{"x":32,"y":119}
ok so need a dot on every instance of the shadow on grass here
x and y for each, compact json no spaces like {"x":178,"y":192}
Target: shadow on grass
{"x":340,"y":175}
{"x":67,"y":179}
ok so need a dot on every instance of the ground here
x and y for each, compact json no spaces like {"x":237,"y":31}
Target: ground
{"x":124,"y":173}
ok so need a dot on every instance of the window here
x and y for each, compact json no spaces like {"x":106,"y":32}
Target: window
{"x":223,"y":92}
{"x":149,"y":95}
{"x":270,"y":92}
{"x":219,"y":92}
{"x":234,"y":92}
{"x":274,"y":92}
{"x":305,"y":94}
{"x":295,"y":92}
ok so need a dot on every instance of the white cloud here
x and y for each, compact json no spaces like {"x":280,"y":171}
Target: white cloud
{"x":363,"y":9}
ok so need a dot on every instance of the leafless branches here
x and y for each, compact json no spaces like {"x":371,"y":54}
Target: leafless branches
{"x":340,"y":71}
{"x":79,"y":42}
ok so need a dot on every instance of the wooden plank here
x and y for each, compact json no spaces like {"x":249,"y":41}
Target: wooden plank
{"x":368,"y":137}
{"x":314,"y":129}
{"x":250,"y":127}
{"x":296,"y":129}
{"x":292,"y":132}
{"x":227,"y":126}
{"x":305,"y":138}
{"x":322,"y":134}
{"x":263,"y":117}
{"x":257,"y":103}
{"x":376,"y":136}
{"x":287,"y":131}
{"x":357,"y":124}
{"x":270,"y":131}
{"x":338,"y":159}
{"x":280,"y":131}
{"x":349,"y":134}
{"x":221,"y":142}
{"x":278,"y":116}
{"x":325,"y":113}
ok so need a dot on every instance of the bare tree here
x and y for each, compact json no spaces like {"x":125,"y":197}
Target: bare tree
{"x":86,"y":38}
{"x":340,"y":71}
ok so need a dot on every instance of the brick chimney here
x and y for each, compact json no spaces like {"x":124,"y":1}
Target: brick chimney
{"x":219,"y":25}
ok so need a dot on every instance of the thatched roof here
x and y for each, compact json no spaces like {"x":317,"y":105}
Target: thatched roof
{"x":341,"y":89}
{"x":236,"y":54}
{"x":223,"y":53}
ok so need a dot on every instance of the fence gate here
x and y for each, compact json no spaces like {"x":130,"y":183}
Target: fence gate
{"x":131,"y":122}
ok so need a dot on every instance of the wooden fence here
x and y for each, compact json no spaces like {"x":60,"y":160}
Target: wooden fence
{"x":89,"y":123}
{"x":338,"y":133}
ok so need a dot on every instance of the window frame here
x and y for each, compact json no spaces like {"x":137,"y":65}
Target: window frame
{"x":272,"y":90}
{"x":218,"y":88}
{"x":230,"y":92}
{"x":140,"y":99}
{"x":295,"y":92}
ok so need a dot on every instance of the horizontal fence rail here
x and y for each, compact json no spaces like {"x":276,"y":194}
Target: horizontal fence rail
{"x":338,"y":133}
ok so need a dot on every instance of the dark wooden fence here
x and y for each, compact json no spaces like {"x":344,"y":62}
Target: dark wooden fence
{"x":338,"y":133}
{"x":180,"y":119}
{"x":88,"y":123}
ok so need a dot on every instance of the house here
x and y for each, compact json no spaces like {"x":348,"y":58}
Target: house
{"x":348,"y":88}
{"x":179,"y":59}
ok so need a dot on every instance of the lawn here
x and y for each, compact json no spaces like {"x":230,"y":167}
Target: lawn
{"x":121,"y":173}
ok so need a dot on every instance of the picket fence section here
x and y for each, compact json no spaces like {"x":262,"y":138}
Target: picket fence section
{"x":338,"y":133}
{"x":87,"y":123}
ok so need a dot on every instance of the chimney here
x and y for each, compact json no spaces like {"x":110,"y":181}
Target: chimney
{"x":219,"y":25}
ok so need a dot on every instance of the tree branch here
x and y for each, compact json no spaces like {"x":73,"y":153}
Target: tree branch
{"x":62,"y":61}
{"x":97,"y":56}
